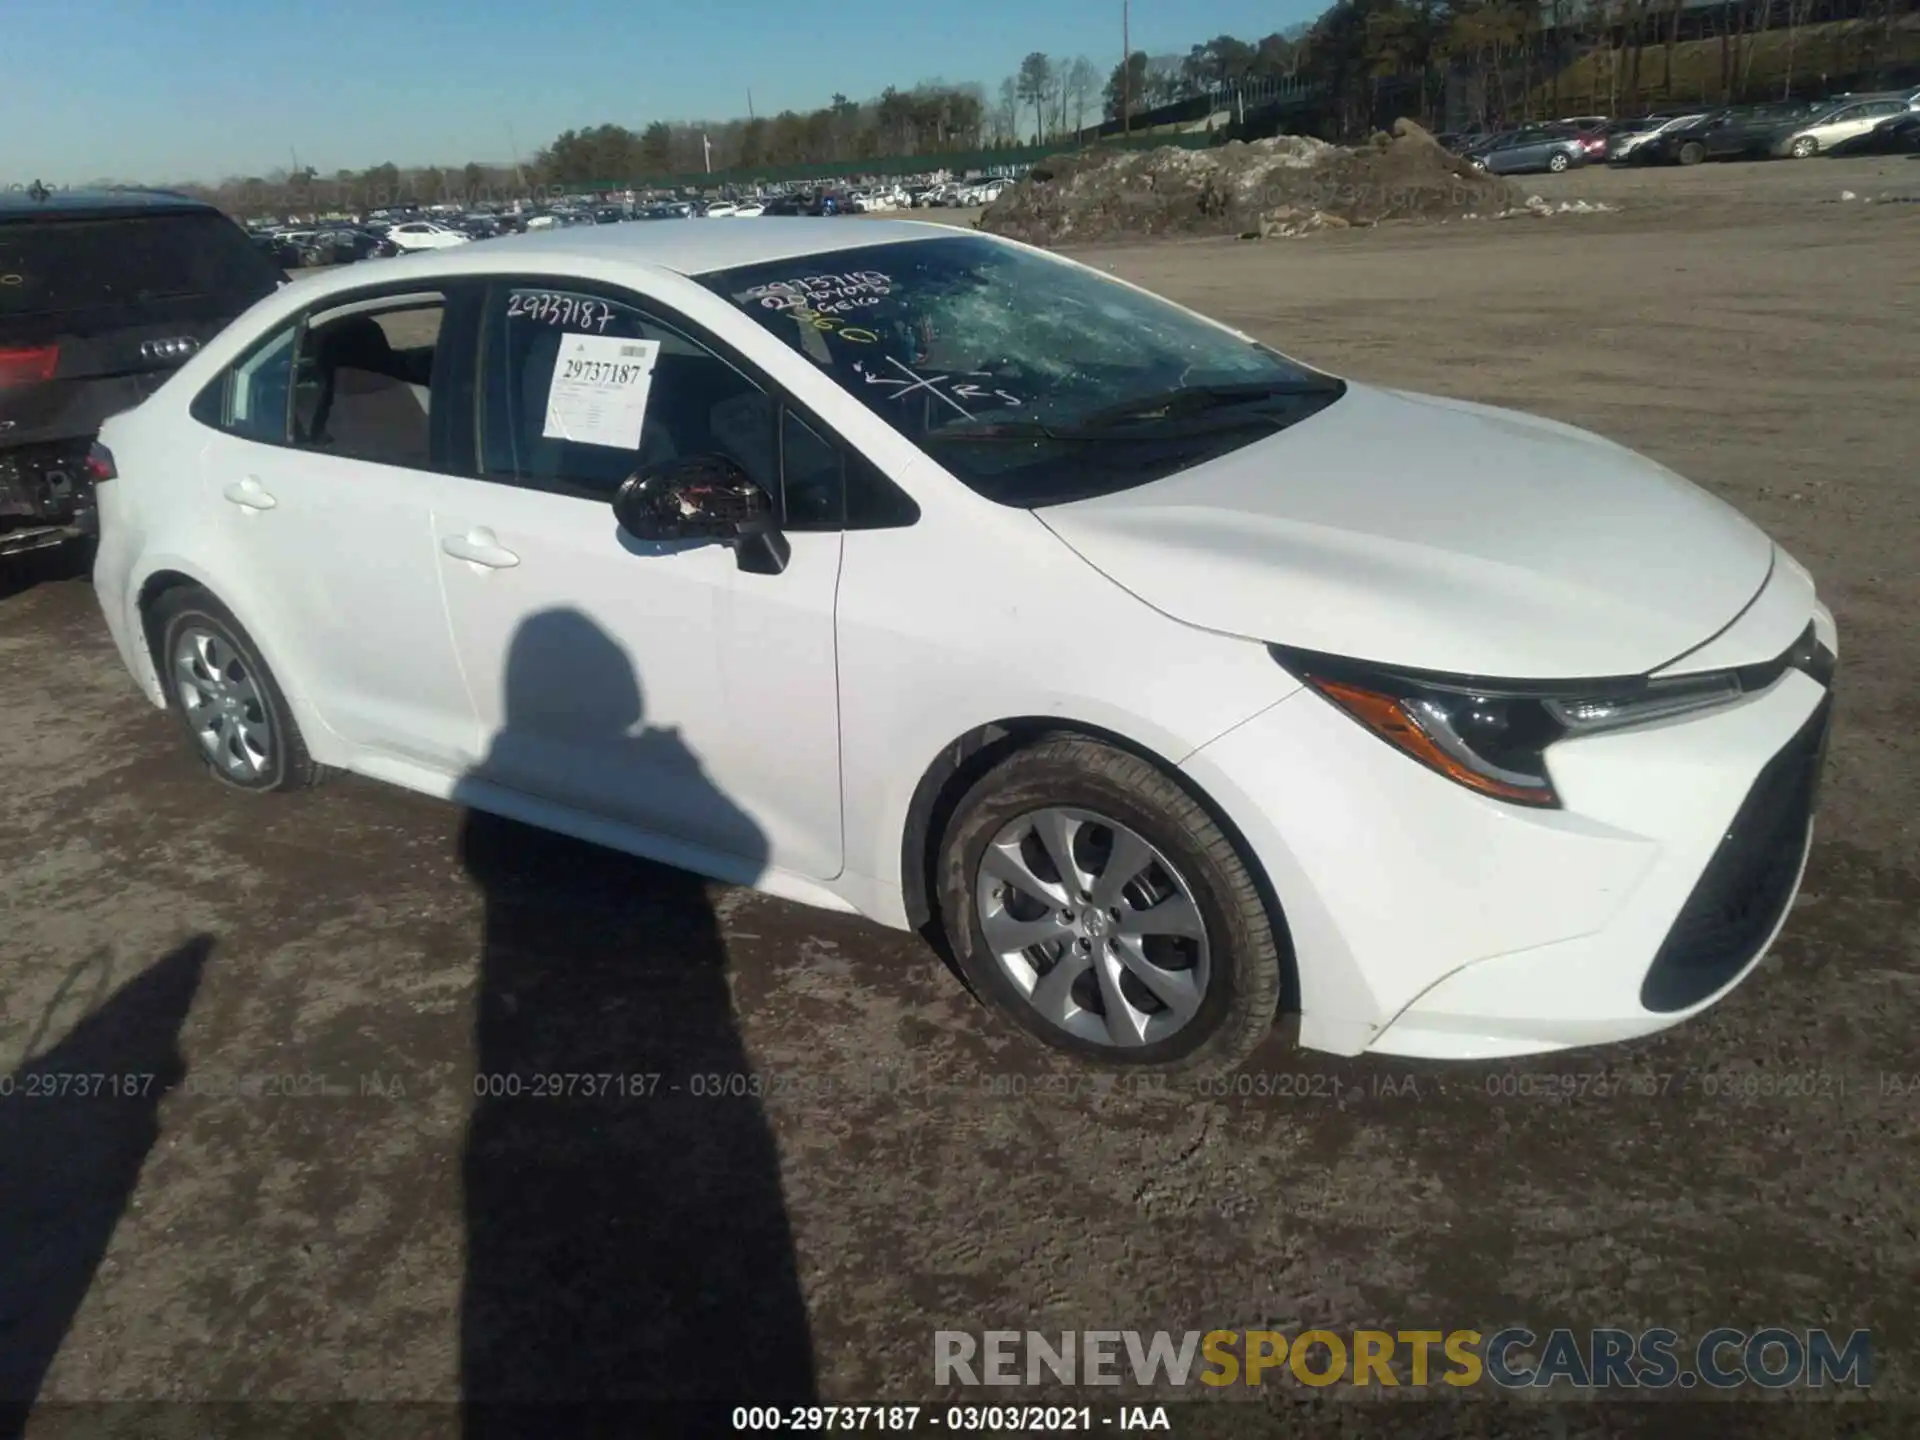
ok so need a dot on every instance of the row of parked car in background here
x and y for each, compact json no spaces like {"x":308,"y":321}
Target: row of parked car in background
{"x":1882,"y":123}
{"x":385,"y":232}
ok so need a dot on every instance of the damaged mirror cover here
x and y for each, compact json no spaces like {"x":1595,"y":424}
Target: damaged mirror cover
{"x":704,"y":497}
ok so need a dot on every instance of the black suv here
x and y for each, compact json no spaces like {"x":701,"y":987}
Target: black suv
{"x":102,"y":296}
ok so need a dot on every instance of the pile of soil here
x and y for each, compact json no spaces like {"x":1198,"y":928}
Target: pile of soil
{"x":1289,"y":185}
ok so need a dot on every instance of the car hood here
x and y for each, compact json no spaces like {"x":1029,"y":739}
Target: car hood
{"x":1435,"y":534}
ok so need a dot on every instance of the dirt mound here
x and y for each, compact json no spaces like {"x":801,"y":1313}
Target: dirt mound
{"x":1289,"y":185}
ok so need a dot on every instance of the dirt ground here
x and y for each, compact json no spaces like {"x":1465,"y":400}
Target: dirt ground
{"x":291,"y":1210}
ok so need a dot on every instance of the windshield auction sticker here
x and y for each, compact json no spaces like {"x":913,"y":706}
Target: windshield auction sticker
{"x":598,"y":395}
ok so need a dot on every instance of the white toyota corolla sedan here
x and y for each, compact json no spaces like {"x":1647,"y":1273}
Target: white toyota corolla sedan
{"x":912,"y":572}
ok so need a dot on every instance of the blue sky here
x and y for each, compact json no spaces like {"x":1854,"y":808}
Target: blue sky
{"x":199,"y":89}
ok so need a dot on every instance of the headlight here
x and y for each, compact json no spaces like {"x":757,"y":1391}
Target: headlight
{"x":1492,"y":736}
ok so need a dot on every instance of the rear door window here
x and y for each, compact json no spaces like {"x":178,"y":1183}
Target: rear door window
{"x":364,"y":380}
{"x":120,"y":263}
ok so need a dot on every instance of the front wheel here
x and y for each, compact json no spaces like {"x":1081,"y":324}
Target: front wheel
{"x":1805,"y":147}
{"x":1097,"y":905}
{"x":1692,"y":154}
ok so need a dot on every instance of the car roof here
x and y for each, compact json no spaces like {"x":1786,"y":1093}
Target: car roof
{"x":88,"y":204}
{"x":699,"y":247}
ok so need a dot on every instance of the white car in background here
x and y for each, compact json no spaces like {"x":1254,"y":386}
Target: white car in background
{"x":916,"y":573}
{"x":426,"y":235}
{"x":750,"y":210}
{"x":1829,"y":127}
{"x":721,"y":210}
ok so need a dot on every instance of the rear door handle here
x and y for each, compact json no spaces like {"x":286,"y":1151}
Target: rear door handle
{"x":249,"y":494}
{"x":480,"y":547}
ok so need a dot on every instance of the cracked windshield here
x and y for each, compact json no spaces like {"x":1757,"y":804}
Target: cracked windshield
{"x":1034,"y":381}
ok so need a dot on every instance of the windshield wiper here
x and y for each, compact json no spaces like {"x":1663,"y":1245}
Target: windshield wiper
{"x":1197,"y":410}
{"x":1187,"y":400}
{"x":1012,"y":430}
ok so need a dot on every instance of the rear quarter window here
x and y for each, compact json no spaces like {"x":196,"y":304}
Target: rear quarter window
{"x":123,"y":262}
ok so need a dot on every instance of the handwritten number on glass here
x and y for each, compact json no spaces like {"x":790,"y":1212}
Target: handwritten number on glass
{"x":832,"y":325}
{"x":551,"y":307}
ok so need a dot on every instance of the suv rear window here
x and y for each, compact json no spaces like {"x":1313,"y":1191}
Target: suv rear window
{"x":120,"y":262}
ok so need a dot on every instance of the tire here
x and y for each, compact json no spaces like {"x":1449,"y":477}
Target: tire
{"x":1805,"y":147}
{"x":1227,"y":979}
{"x":1692,"y":153}
{"x":1557,"y":162}
{"x":239,"y":726}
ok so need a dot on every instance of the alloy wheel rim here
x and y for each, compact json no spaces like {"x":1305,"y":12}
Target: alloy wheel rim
{"x":221,"y":698}
{"x":1095,"y":927}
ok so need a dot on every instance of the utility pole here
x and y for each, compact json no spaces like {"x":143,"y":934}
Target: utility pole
{"x":749,"y":104}
{"x":1126,"y":67}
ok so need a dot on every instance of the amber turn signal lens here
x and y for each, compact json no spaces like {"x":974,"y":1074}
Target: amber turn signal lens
{"x":1387,"y":716}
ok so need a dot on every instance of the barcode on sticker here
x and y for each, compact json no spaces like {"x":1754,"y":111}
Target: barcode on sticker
{"x":632,"y":352}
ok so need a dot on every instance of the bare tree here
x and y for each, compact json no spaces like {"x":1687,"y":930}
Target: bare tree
{"x":1673,"y":39}
{"x":1006,"y":113}
{"x":1163,"y":79}
{"x":1035,"y":83}
{"x":1797,"y":12}
{"x":1752,"y":43}
{"x":1636,"y":23}
{"x":1726,"y":52}
{"x":1083,"y":84}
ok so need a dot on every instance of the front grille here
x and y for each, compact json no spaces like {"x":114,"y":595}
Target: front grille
{"x":1747,"y":886}
{"x":44,"y":484}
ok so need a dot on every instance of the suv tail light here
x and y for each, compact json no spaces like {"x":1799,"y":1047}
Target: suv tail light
{"x":100,"y":464}
{"x":28,"y":367}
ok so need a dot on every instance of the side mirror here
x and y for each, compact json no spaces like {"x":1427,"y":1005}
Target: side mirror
{"x":704,"y":497}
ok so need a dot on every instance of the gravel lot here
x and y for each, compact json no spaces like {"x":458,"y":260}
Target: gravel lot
{"x":293,"y":1209}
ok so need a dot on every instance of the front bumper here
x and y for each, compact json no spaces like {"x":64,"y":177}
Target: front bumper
{"x":1429,"y":921}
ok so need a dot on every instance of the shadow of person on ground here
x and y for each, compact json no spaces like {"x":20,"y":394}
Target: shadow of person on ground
{"x":627,"y":1239}
{"x":76,"y":1125}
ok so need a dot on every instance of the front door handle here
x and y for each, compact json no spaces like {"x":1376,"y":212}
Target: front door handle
{"x":249,"y":494}
{"x":481,"y":548}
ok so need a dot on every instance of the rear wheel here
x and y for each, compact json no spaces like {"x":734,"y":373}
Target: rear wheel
{"x":235,"y":715}
{"x":1692,"y":153}
{"x":1558,"y":161}
{"x":1098,"y":905}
